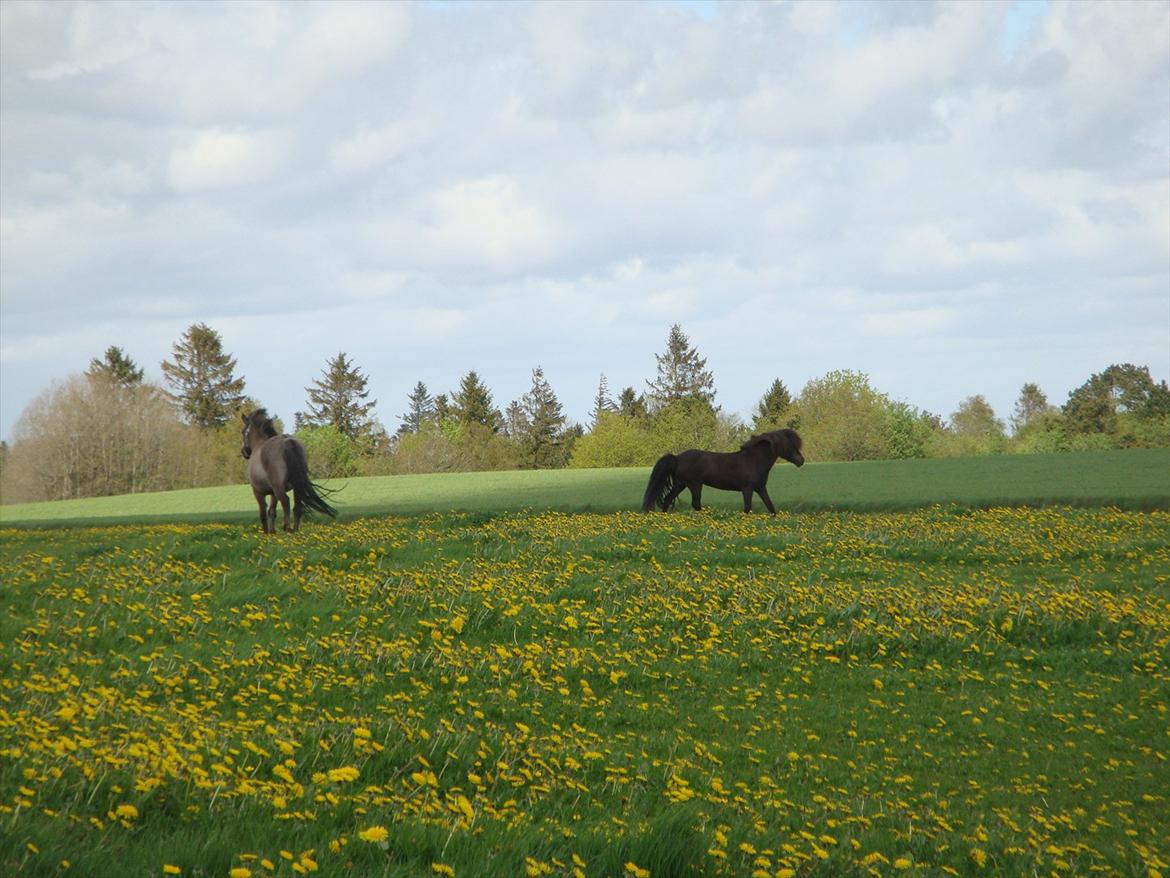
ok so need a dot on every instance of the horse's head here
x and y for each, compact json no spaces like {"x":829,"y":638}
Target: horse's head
{"x":257,"y":428}
{"x":781,"y":443}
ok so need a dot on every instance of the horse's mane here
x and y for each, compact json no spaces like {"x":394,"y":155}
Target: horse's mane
{"x":259,"y":418}
{"x":790,"y":436}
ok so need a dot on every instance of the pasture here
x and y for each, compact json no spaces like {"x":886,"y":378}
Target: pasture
{"x":965,"y":688}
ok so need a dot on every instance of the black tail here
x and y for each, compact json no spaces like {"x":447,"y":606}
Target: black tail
{"x":661,"y":481}
{"x":307,"y":492}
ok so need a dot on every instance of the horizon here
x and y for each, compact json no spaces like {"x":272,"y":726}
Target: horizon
{"x":953,"y":199}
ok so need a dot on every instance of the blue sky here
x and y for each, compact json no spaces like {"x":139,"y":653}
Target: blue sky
{"x":952,"y":198}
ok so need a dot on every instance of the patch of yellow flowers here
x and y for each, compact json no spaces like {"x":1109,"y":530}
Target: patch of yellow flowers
{"x":800,"y":688}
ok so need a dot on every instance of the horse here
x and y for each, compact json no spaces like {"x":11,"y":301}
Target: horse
{"x":276,"y":465}
{"x":745,"y":470}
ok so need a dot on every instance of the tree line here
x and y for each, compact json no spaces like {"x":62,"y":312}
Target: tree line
{"x":111,"y":431}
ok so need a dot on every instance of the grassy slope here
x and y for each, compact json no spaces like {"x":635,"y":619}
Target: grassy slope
{"x":1134,"y":479}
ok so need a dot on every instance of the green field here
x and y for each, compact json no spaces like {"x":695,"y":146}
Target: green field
{"x":941,"y":686}
{"x":1133,"y":479}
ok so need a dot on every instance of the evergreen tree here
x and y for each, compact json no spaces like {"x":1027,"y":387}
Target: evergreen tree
{"x":116,"y":368}
{"x":472,"y":403}
{"x":682,"y":373}
{"x":338,"y":399}
{"x":515,"y":420}
{"x":602,"y":403}
{"x":542,"y":438}
{"x":422,"y":409}
{"x":631,"y":404}
{"x":443,"y":410}
{"x":770,"y":410}
{"x":1031,"y":405}
{"x":202,"y":378}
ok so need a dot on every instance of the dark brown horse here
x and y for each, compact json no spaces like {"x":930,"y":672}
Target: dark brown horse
{"x":277,"y":465}
{"x":745,"y":470}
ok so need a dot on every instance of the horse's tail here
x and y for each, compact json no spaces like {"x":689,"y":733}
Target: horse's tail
{"x":661,"y":481}
{"x":307,"y":492}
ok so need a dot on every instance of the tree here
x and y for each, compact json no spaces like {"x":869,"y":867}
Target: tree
{"x":615,"y":441}
{"x":1122,"y":389}
{"x":515,"y":420}
{"x":116,"y":368}
{"x":842,"y":417}
{"x":602,"y":403}
{"x":338,"y":399}
{"x":1030,"y":406}
{"x":770,"y":410}
{"x":472,"y":403}
{"x":975,"y":429}
{"x":631,"y":404}
{"x":202,"y":378}
{"x":544,"y":424}
{"x":682,"y":373}
{"x":421,"y":409}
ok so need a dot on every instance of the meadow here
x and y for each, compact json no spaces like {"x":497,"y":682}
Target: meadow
{"x":929,"y":688}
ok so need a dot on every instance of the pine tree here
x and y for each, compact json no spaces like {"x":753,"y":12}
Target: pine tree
{"x":472,"y":403}
{"x":542,"y":437}
{"x":602,"y":403}
{"x":682,"y":373}
{"x":515,"y":421}
{"x":631,"y":404}
{"x":202,"y":378}
{"x":770,"y":410}
{"x":421,"y":410}
{"x":116,"y":368}
{"x":338,"y":399}
{"x":1031,"y":405}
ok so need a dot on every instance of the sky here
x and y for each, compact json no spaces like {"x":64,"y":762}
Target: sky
{"x":952,"y":198}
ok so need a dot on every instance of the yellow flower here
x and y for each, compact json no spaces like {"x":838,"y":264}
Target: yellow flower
{"x":903,"y":863}
{"x":240,"y":872}
{"x":443,"y":869}
{"x":374,"y":834}
{"x":168,"y":869}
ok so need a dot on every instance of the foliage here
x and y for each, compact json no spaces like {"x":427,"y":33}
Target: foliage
{"x":712,"y":694}
{"x":117,"y":368}
{"x":202,"y":380}
{"x":602,"y":403}
{"x":841,"y":417}
{"x":421,"y":408}
{"x":1031,"y":406}
{"x":543,"y":436}
{"x":338,"y":399}
{"x":632,"y":404}
{"x":772,"y":410}
{"x":454,"y":446}
{"x":615,"y":440}
{"x":472,"y":403}
{"x":682,"y":373}
{"x":90,"y":437}
{"x":1095,"y":406}
{"x":331,"y":453}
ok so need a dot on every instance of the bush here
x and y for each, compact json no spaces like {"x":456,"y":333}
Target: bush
{"x":615,"y":440}
{"x":331,"y":453}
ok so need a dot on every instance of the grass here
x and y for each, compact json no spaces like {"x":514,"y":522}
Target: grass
{"x":1131,"y":479}
{"x":972,"y":680}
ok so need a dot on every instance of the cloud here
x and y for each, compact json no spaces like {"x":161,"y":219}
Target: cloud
{"x":898,"y":188}
{"x":215,"y":159}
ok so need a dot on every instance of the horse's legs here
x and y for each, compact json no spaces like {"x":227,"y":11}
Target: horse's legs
{"x":284,"y":510}
{"x":272,"y":515}
{"x":675,"y":490}
{"x":747,"y":499}
{"x":298,"y":509}
{"x":263,"y":515}
{"x":696,"y":494}
{"x":763,"y":492}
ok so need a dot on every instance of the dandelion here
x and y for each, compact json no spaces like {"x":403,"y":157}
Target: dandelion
{"x":903,"y":863}
{"x":168,"y":869}
{"x":374,"y":834}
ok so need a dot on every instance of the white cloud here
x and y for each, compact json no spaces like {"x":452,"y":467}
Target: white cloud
{"x":215,"y":159}
{"x":806,"y":186}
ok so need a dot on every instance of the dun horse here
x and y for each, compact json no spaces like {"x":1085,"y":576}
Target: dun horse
{"x":277,"y":465}
{"x":745,"y":470}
